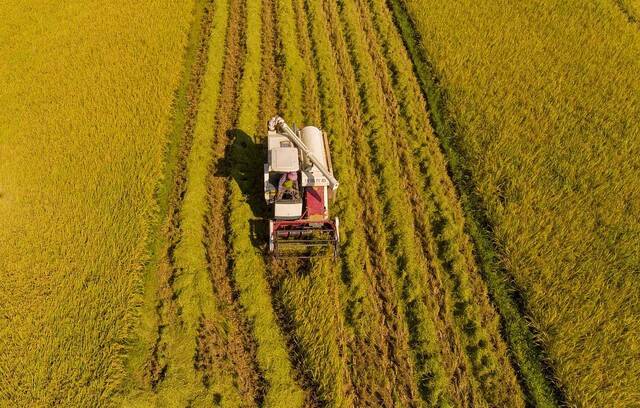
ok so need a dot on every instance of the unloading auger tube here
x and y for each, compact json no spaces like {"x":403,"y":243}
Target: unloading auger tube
{"x":279,"y":125}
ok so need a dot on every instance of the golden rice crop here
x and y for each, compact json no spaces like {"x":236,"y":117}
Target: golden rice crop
{"x":131,"y":204}
{"x":86,"y":96}
{"x":544,"y":98}
{"x":632,"y":9}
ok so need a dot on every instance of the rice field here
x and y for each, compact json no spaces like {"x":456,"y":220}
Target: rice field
{"x":549,"y":137}
{"x":86,"y":107}
{"x":480,"y":212}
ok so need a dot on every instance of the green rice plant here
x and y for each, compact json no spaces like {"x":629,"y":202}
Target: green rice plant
{"x":542,"y":144}
{"x":424,"y":345}
{"x":313,"y":305}
{"x":355,"y":304}
{"x":311,"y":100}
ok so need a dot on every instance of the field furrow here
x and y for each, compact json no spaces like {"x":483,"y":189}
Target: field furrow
{"x":475,"y":318}
{"x":522,"y":347}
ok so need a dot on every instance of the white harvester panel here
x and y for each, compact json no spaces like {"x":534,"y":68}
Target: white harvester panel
{"x":283,"y":155}
{"x":314,"y":140}
{"x":287,"y":210}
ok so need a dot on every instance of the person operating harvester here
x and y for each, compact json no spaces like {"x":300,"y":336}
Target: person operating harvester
{"x":287,"y":184}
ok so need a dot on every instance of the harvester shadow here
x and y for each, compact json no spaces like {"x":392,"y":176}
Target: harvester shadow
{"x":242,"y":164}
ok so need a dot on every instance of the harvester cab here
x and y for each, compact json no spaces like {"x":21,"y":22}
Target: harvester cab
{"x":298,"y":186}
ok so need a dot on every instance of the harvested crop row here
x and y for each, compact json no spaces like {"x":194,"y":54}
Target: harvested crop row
{"x":228,"y":187}
{"x":308,"y":293}
{"x":410,"y":262}
{"x":225,"y":341}
{"x":396,"y":243}
{"x":299,"y":324}
{"x":291,"y":103}
{"x":475,"y":318}
{"x":311,"y":100}
{"x":431,"y":324}
{"x":413,"y":269}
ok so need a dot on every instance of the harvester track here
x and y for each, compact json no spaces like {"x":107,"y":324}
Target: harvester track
{"x":236,"y":345}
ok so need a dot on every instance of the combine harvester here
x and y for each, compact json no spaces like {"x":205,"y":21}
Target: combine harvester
{"x":298,"y":185}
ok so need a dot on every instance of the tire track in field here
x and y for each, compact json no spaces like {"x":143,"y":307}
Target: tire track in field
{"x":390,"y":349}
{"x":166,"y":307}
{"x":489,"y":362}
{"x":277,"y":272}
{"x":458,"y":369}
{"x":528,"y":359}
{"x":233,"y":346}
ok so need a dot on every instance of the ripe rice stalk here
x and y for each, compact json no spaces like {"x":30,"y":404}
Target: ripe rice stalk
{"x":84,"y":128}
{"x":552,"y":173}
